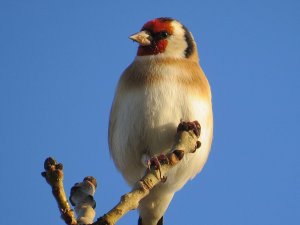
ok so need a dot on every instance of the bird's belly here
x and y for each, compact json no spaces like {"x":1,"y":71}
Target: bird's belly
{"x":146,"y":124}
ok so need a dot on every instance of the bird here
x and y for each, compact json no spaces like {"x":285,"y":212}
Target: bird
{"x":164,"y":85}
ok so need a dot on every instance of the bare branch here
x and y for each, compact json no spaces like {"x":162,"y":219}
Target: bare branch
{"x":82,"y":199}
{"x":54,"y":176}
{"x":186,"y":142}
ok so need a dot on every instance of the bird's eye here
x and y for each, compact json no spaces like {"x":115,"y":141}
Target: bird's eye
{"x":160,"y":35}
{"x":164,"y":34}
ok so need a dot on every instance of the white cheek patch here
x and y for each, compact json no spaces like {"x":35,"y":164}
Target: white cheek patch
{"x":176,"y":42}
{"x":176,"y":48}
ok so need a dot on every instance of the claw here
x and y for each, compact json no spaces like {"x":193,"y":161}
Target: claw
{"x":187,"y":126}
{"x":155,"y":162}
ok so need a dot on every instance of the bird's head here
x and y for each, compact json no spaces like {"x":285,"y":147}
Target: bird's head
{"x":165,"y":37}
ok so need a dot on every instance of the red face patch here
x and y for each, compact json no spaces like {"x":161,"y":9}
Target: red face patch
{"x":155,"y":27}
{"x":153,"y":49}
{"x":158,"y":25}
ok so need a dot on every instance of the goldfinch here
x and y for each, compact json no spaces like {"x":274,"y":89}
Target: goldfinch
{"x":162,"y":86}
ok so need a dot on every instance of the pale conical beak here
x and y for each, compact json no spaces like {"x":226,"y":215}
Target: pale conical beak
{"x":142,"y":37}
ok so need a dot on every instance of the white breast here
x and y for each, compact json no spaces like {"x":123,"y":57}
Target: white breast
{"x":146,"y":122}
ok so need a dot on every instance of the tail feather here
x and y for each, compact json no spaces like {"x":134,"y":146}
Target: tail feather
{"x":160,"y":222}
{"x":140,"y":221}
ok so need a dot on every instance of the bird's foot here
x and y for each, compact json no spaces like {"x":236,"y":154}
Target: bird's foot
{"x":155,"y":164}
{"x":194,"y":126}
{"x":187,"y":126}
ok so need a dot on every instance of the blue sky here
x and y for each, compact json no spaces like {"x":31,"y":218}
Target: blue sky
{"x":59,"y":65}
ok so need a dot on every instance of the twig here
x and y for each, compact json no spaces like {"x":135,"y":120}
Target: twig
{"x":82,"y":199}
{"x":54,"y":176}
{"x":186,"y":142}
